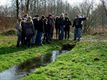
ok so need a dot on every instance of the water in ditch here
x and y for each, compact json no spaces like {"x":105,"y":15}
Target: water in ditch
{"x":24,"y":69}
{"x":28,"y":66}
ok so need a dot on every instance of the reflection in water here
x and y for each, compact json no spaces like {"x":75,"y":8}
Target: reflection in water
{"x":28,"y":67}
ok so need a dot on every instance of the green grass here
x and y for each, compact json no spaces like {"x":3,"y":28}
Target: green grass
{"x":87,"y":61}
{"x":10,"y":55}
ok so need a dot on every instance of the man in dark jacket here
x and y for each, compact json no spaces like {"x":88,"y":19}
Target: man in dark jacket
{"x":67,"y":27}
{"x":36,"y":25}
{"x":57,"y":26}
{"x":50,"y":24}
{"x":49,"y":28}
{"x":62,"y":26}
{"x":40,"y":31}
{"x":77,"y":23}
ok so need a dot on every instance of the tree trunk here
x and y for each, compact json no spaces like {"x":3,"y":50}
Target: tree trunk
{"x":27,"y":6}
{"x":17,"y":9}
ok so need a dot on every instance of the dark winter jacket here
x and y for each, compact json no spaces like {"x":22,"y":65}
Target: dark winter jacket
{"x":41,"y":25}
{"x":29,"y":28}
{"x":36,"y":23}
{"x":67,"y":24}
{"x":50,"y":24}
{"x":57,"y":23}
{"x":62,"y":22}
{"x":77,"y":23}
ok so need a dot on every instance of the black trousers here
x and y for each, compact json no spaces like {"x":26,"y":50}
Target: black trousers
{"x":28,"y":39}
{"x":67,"y":33}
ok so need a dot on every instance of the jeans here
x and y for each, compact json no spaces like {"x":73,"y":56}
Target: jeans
{"x":39,"y":38}
{"x":34,"y":37}
{"x":61,"y":36}
{"x":57,"y":32}
{"x":77,"y":34}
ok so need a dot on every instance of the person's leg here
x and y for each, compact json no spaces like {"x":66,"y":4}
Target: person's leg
{"x":75,"y":33}
{"x":18,"y":42}
{"x":40,"y":38}
{"x":23,"y":38}
{"x":79,"y":34}
{"x":34,"y":38}
{"x":68,"y":33}
{"x":48,"y":37}
{"x":56,"y":33}
{"x":28,"y":40}
{"x":52,"y":29}
{"x":65,"y":34}
{"x":62,"y":33}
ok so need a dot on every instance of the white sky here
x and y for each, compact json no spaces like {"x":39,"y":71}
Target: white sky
{"x":5,"y":2}
{"x":72,"y":2}
{"x":80,"y":1}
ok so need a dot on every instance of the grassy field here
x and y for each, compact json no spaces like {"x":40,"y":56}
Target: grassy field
{"x":11,"y":55}
{"x":87,"y":61}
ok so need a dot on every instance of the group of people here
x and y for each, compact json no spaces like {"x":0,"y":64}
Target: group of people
{"x":36,"y":30}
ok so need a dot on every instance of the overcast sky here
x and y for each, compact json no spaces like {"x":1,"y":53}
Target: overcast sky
{"x":80,"y":1}
{"x":72,"y":2}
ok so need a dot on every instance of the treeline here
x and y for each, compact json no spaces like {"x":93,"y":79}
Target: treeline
{"x":96,"y":13}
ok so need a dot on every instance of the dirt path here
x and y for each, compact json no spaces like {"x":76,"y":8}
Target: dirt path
{"x":96,"y":38}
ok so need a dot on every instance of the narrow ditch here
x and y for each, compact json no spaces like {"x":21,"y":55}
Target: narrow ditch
{"x":24,"y":69}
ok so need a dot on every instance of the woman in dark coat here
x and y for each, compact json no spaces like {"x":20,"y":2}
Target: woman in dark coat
{"x":29,"y":31}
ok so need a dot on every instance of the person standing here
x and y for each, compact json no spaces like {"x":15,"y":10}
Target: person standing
{"x":50,"y":27}
{"x":29,"y":31}
{"x":36,"y":25}
{"x":57,"y":26}
{"x":40,"y":31}
{"x":19,"y":32}
{"x":67,"y":28}
{"x":77,"y":23}
{"x":24,"y":20}
{"x":62,"y":26}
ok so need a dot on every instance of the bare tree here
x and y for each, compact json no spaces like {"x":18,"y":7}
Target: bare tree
{"x":104,"y":5}
{"x":27,"y":6}
{"x":17,"y":8}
